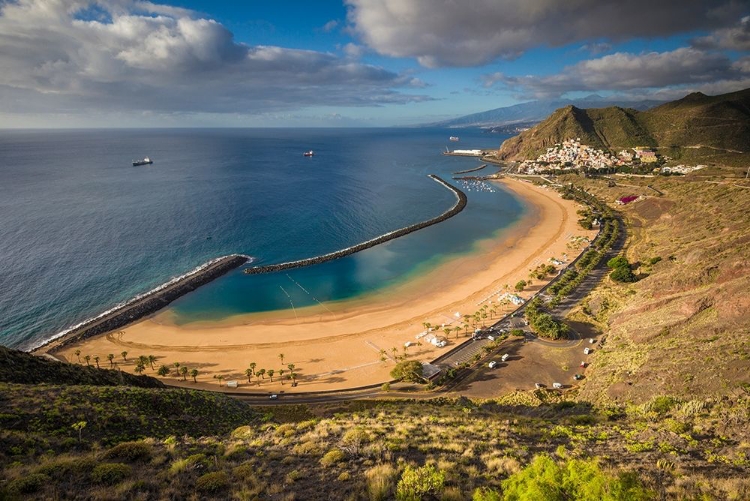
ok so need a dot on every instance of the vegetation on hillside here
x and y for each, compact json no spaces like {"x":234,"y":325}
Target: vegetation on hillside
{"x":697,"y":128}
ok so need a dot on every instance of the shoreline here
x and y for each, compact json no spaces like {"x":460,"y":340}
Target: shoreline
{"x":340,"y":345}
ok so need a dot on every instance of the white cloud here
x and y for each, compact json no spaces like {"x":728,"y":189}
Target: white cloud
{"x":453,"y":33}
{"x":330,"y":26}
{"x":121,"y":55}
{"x":624,"y":71}
{"x":735,"y":37}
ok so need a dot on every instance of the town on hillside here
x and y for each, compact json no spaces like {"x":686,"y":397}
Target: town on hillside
{"x":571,"y":155}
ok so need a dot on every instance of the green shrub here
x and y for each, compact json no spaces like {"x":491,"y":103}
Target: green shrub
{"x":129,"y":451}
{"x":68,"y":468}
{"x":618,"y":262}
{"x":332,"y":457}
{"x":662,"y":404}
{"x":623,"y":274}
{"x":188,"y":463}
{"x":577,"y":479}
{"x":110,"y":473}
{"x":416,"y":483}
{"x":28,"y":484}
{"x":408,"y":371}
{"x":213,"y":482}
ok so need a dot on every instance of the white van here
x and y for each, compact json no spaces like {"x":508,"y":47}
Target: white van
{"x":586,"y":351}
{"x":505,"y":357}
{"x":557,"y":386}
{"x":492,"y":364}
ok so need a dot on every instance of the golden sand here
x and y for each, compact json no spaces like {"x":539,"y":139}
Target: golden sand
{"x":340,"y":344}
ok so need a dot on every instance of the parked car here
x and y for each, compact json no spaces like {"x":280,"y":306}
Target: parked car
{"x":578,"y":377}
{"x":492,"y":364}
{"x":583,"y":365}
{"x":491,"y":338}
{"x":586,"y":351}
{"x":273,"y":396}
{"x":592,"y":341}
{"x":505,"y":357}
{"x":557,"y":385}
{"x":539,"y":386}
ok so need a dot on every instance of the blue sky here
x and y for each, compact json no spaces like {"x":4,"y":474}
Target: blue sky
{"x":81,"y":63}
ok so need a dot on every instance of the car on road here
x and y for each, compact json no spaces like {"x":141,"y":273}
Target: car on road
{"x":492,"y":364}
{"x":592,"y":341}
{"x":586,"y":351}
{"x":505,"y":357}
{"x":539,"y":386}
{"x":578,"y":377}
{"x":583,"y":365}
{"x":274,"y":396}
{"x":557,"y":385}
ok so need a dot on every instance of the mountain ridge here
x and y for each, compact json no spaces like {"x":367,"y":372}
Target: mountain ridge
{"x":712,"y":128}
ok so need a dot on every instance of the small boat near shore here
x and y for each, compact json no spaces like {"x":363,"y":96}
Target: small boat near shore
{"x":308,"y":153}
{"x":145,"y":161}
{"x":453,"y":138}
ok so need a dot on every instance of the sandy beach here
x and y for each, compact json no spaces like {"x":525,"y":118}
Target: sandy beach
{"x":342,"y":344}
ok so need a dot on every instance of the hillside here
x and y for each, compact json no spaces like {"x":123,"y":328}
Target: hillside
{"x":684,"y":327}
{"x":697,"y":127}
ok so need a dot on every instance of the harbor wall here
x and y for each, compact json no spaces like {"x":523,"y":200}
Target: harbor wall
{"x":457,"y":207}
{"x":145,"y":305}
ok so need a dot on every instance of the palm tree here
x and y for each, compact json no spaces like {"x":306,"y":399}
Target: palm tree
{"x":394,"y":350}
{"x":139,"y":368}
{"x":281,"y":357}
{"x":262,"y":373}
{"x":78,"y":354}
{"x":447,"y":331}
{"x":220,"y":377}
{"x":281,"y":376}
{"x":87,"y":358}
{"x":151,"y":360}
{"x":457,"y":330}
{"x":111,"y":358}
{"x":292,"y":366}
{"x":184,"y":372}
{"x":271,"y":372}
{"x":249,"y":374}
{"x":194,"y":375}
{"x":163,"y":371}
{"x":143,"y":360}
{"x":252,"y":367}
{"x":293,"y":377}
{"x":96,"y":359}
{"x":177,"y":367}
{"x":124,"y":355}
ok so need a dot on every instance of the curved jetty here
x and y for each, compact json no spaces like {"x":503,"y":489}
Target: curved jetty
{"x":457,"y":207}
{"x":471,"y":170}
{"x":147,"y":303}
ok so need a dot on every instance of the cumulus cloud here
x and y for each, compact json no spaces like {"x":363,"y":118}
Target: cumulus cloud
{"x":452,"y":33}
{"x":66,"y":55}
{"x":736,"y":37}
{"x":330,"y":26}
{"x":625,"y":71}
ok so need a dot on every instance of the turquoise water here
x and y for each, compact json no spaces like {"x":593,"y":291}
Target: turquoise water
{"x":83,"y":230}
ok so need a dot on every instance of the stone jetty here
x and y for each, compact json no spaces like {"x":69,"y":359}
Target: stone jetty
{"x":471,"y":170}
{"x":457,"y":207}
{"x":146,"y":304}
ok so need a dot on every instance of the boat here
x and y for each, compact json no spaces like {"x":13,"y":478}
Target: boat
{"x":145,"y":161}
{"x":308,"y":153}
{"x":453,"y":138}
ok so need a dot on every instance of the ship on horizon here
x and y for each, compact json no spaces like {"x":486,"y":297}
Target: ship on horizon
{"x":145,"y":161}
{"x":308,"y":153}
{"x":453,"y":138}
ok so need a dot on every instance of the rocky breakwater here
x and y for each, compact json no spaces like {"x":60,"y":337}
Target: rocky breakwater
{"x":146,"y":304}
{"x":457,"y":207}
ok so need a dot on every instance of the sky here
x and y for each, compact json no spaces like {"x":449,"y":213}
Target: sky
{"x":350,"y":63}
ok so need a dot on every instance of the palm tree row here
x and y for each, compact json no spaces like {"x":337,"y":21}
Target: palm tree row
{"x":251,"y":372}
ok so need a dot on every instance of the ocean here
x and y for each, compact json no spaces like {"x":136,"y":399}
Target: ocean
{"x":82,"y":230}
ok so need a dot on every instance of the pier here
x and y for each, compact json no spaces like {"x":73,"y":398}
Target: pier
{"x":145,"y":305}
{"x":470,"y":170}
{"x":457,"y":207}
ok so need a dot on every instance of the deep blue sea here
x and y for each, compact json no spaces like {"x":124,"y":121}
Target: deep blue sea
{"x":82,"y":230}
